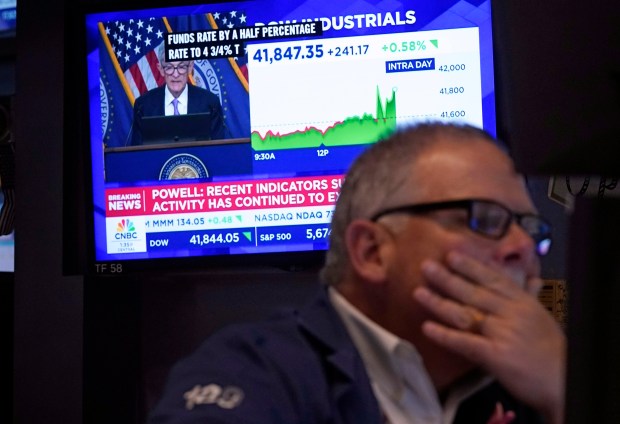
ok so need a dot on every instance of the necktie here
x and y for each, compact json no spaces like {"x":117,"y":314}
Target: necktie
{"x":175,"y":104}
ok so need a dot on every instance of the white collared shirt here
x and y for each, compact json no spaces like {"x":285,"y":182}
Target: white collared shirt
{"x":182,"y":106}
{"x":399,"y":379}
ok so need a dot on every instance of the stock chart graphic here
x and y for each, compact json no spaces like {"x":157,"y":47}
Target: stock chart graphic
{"x":315,"y":99}
{"x":352,"y":130}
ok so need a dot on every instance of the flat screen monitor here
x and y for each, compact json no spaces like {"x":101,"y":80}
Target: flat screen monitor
{"x":8,"y":17}
{"x":7,"y":238}
{"x":7,"y":253}
{"x":304,"y":86}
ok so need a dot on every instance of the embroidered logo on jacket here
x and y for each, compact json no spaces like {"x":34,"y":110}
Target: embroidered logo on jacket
{"x":225,"y":397}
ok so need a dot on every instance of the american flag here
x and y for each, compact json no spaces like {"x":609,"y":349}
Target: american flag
{"x":233,"y":19}
{"x":221,"y":20}
{"x":136,"y":45}
{"x":129,"y":53}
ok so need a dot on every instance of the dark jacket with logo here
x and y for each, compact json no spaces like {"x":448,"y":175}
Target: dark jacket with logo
{"x":300,"y":367}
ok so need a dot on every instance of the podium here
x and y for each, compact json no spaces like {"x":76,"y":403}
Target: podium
{"x":166,"y":161}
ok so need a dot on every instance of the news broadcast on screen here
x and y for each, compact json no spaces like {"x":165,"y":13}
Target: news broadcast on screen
{"x":300,"y":89}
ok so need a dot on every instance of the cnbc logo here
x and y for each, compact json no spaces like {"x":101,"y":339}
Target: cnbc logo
{"x":125,"y":230}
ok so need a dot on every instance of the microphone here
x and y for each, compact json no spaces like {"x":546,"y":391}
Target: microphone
{"x":137,"y":114}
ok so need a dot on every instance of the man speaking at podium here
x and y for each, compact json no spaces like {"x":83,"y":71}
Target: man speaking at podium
{"x":177,"y":97}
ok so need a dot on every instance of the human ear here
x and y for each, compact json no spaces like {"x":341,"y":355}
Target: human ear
{"x":161,"y":69}
{"x":366,"y":245}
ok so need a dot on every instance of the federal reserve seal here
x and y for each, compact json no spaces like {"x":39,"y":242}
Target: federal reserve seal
{"x":183,"y":166}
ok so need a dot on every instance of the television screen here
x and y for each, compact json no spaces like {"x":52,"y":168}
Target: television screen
{"x":7,"y":187}
{"x":300,"y":89}
{"x":7,"y":238}
{"x":7,"y":253}
{"x":8,"y":17}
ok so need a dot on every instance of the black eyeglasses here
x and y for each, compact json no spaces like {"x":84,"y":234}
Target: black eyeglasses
{"x":181,"y":69}
{"x":487,"y":218}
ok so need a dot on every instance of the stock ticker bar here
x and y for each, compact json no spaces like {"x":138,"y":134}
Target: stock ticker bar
{"x":217,"y":215}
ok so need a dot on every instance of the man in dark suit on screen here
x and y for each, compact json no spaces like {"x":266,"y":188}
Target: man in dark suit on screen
{"x":177,"y":97}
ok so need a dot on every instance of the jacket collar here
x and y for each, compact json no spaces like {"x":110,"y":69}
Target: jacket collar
{"x":350,"y":383}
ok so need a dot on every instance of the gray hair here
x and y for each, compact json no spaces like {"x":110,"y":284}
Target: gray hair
{"x":161,"y":55}
{"x":377,"y":174}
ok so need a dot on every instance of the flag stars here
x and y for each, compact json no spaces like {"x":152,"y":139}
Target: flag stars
{"x":149,"y":29}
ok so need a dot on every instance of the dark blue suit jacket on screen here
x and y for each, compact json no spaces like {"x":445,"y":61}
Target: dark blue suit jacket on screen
{"x":199,"y":100}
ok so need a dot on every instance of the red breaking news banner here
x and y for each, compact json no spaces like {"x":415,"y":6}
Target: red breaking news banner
{"x":223,"y":196}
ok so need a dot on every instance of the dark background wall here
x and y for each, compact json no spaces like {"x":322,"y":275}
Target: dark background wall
{"x":48,"y":307}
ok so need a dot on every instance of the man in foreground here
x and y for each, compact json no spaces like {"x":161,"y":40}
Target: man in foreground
{"x":428,"y":314}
